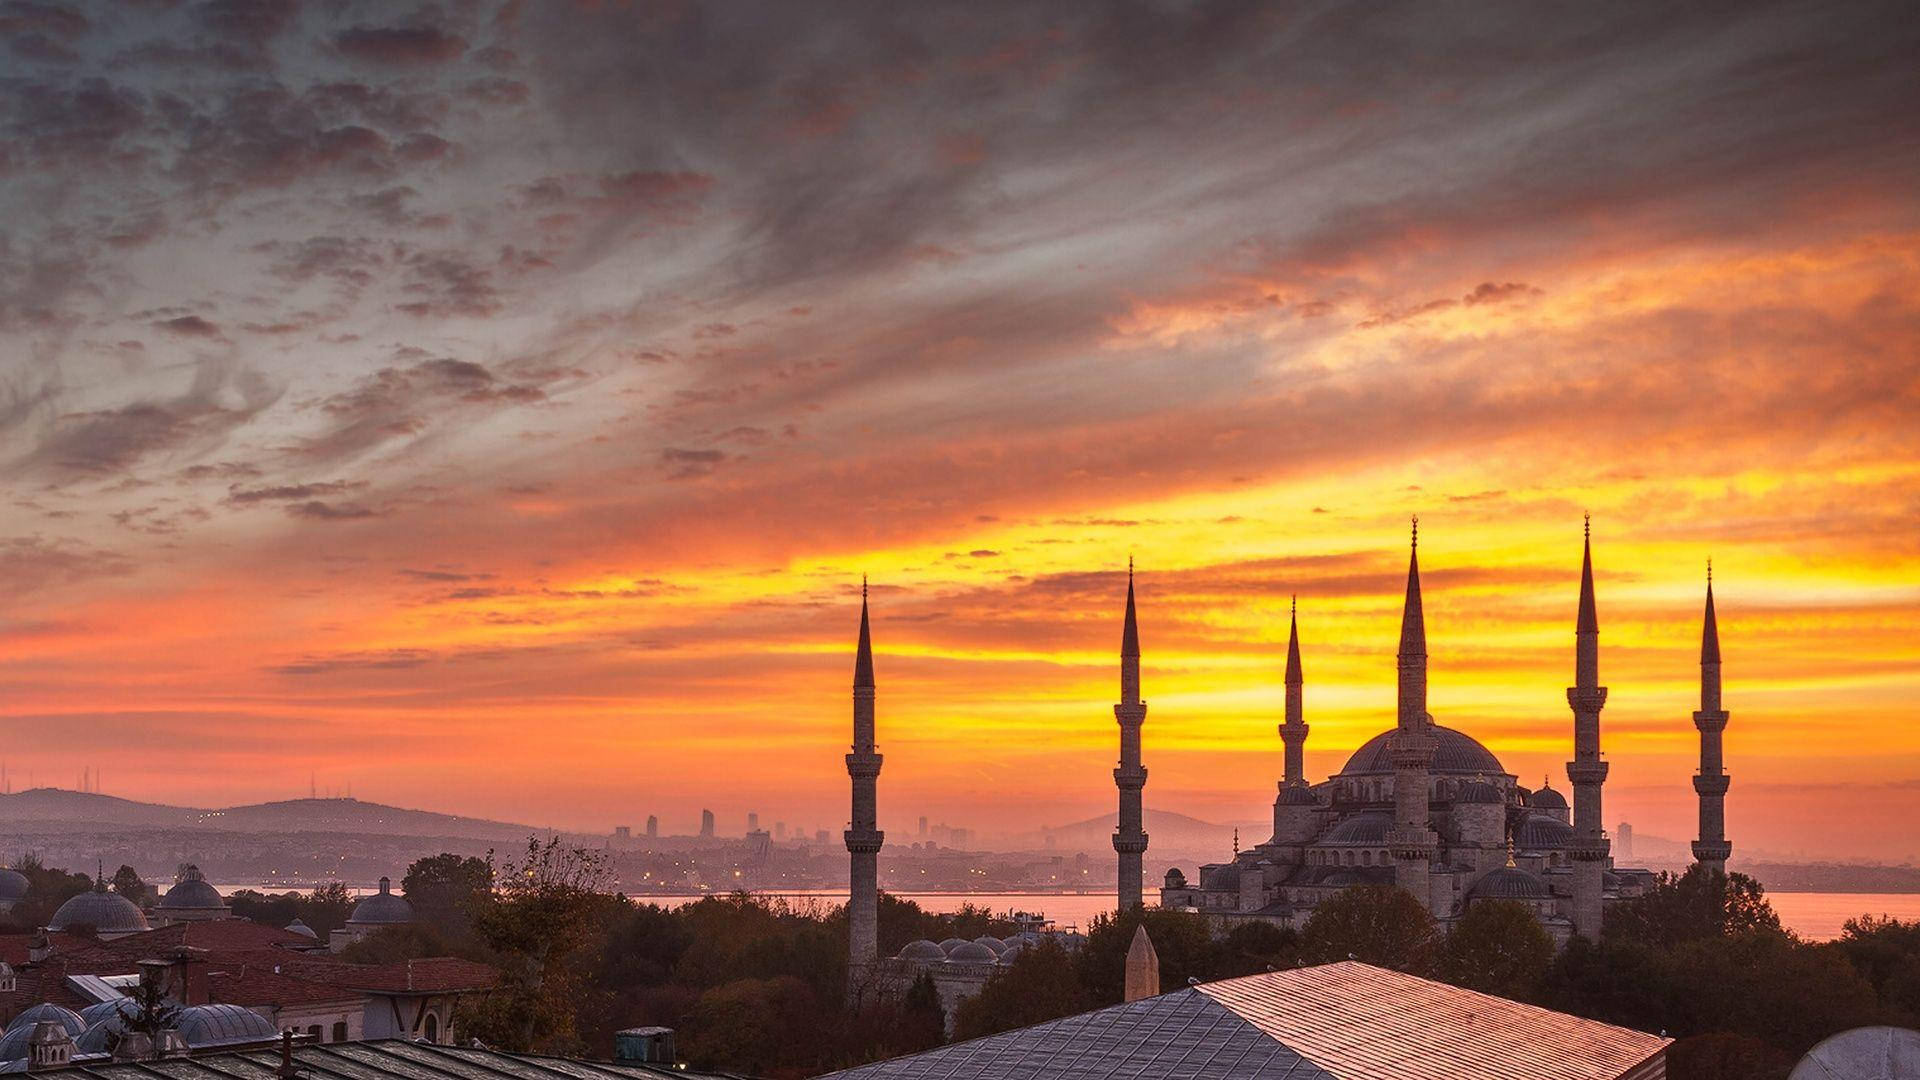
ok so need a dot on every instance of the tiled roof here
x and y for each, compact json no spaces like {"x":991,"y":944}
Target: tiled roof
{"x":1367,"y":1023}
{"x":432,"y":975}
{"x":1346,"y":1021}
{"x":1185,"y":1034}
{"x":384,"y":1059}
{"x":14,"y":948}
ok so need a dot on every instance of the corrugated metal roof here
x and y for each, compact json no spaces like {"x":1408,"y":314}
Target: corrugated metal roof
{"x":1362,"y":1022}
{"x":382,"y":1059}
{"x":1184,"y":1035}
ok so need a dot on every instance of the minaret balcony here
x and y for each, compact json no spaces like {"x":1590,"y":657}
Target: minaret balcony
{"x":1587,"y":772}
{"x":1715,"y":784}
{"x":863,"y":766}
{"x":1712,"y":850}
{"x":1130,"y":779}
{"x":1129,"y":845}
{"x":1710,"y":720}
{"x":1586,"y":699}
{"x":1589,"y":848}
{"x":1135,"y":713}
{"x":865,"y":841}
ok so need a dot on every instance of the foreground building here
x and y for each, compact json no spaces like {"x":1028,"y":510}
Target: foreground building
{"x":385,"y":1059}
{"x":1346,"y":1021}
{"x":1429,"y":808}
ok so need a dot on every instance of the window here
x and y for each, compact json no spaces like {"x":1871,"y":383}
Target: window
{"x":433,"y":1028}
{"x":339,"y":1031}
{"x":315,"y":1032}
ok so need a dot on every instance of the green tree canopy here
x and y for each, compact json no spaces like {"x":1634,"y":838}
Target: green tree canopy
{"x":1378,"y":924}
{"x":1040,"y":985}
{"x":446,"y":889}
{"x":1181,"y":940}
{"x":1251,"y":948}
{"x":126,"y":881}
{"x":1691,"y":906}
{"x":1497,"y":947}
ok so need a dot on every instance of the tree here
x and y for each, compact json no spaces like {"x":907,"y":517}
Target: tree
{"x":392,"y":944}
{"x":47,"y":888}
{"x":1251,"y":948}
{"x":326,"y":908}
{"x":446,"y":889}
{"x":1377,"y":924}
{"x":1181,"y":940}
{"x":154,"y":1013}
{"x":1694,"y":905}
{"x":756,"y":1026}
{"x":126,"y":881}
{"x":923,"y":1025}
{"x":1497,"y":947}
{"x":271,"y":909}
{"x":1040,"y":985}
{"x":550,"y":903}
{"x":1886,"y":952}
{"x":1726,"y":1056}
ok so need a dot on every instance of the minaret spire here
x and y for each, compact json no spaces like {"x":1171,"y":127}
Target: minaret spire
{"x":1589,"y":847}
{"x":863,"y":835}
{"x":1130,"y":838}
{"x":1294,"y":731}
{"x":1411,"y":841}
{"x":1713,"y":848}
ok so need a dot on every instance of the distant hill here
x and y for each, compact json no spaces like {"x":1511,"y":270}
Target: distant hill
{"x":51,"y":808}
{"x":1169,"y":832}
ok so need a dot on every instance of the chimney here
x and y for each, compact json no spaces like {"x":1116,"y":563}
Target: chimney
{"x":644,"y":1045}
{"x":1143,"y":967}
{"x":39,"y":948}
{"x":288,"y":1071}
{"x":190,"y":976}
{"x":49,"y":1047}
{"x":133,"y":1046}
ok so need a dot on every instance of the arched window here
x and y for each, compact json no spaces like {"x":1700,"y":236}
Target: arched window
{"x":314,"y":1032}
{"x":1349,"y":858}
{"x":339,"y":1031}
{"x":1366,"y":858}
{"x":433,"y":1028}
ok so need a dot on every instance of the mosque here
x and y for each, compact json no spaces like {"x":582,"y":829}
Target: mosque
{"x":1432,"y":810}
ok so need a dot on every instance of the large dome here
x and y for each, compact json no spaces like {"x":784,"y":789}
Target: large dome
{"x":224,"y":1025}
{"x":106,"y":912}
{"x":191,"y":891}
{"x":13,"y":886}
{"x":382,"y":908}
{"x":1453,"y":752}
{"x":1510,"y":883}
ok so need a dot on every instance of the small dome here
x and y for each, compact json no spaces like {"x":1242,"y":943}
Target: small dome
{"x":106,"y":912}
{"x":1547,"y":799}
{"x":972,"y":952}
{"x":100,"y":1037}
{"x":100,"y":1010}
{"x":1369,"y":827}
{"x":991,"y":942}
{"x":1298,"y":795}
{"x":952,"y":943}
{"x":223,"y":1025}
{"x":47,"y":1010}
{"x":298,"y":926}
{"x":1510,"y":883}
{"x":1013,"y":950}
{"x":13,"y":886}
{"x":1538,"y":832}
{"x":382,"y":908}
{"x":191,"y":891}
{"x":1478,"y":792}
{"x":1176,"y":879}
{"x":922,"y":950}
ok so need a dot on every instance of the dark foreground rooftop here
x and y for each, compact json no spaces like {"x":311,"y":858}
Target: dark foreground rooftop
{"x":383,"y":1059}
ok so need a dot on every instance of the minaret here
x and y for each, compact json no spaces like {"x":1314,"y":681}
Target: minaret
{"x":1712,"y":849}
{"x":1294,"y":731}
{"x":863,"y":834}
{"x":1411,"y":840}
{"x":1130,"y":840}
{"x":1589,"y":846}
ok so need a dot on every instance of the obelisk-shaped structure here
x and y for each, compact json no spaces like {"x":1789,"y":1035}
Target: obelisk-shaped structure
{"x":1589,"y":847}
{"x":1294,"y":732}
{"x":863,"y":833}
{"x":1130,"y":838}
{"x":1411,"y":747}
{"x":1712,"y":849}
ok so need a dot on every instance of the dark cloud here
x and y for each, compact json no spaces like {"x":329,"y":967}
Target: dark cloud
{"x":244,"y":496}
{"x":383,"y":660}
{"x":31,"y":563}
{"x":189,"y":326}
{"x":315,"y":510}
{"x":402,"y":402}
{"x":399,"y":44}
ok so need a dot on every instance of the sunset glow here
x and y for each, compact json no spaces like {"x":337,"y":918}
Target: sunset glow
{"x":502,"y":426}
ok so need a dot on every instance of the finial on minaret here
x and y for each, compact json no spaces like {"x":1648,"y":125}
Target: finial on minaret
{"x":1413,"y":620}
{"x":1236,"y":839}
{"x":1587,"y":527}
{"x":1416,"y":530}
{"x":863,"y":658}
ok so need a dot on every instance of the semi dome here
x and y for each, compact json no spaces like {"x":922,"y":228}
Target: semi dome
{"x":106,"y":912}
{"x":47,"y":1010}
{"x":1298,"y":795}
{"x":191,"y":891}
{"x":1453,"y":752}
{"x":972,"y":952}
{"x":1510,"y":883}
{"x":922,"y":950}
{"x":13,"y":886}
{"x":1479,"y":791}
{"x":223,"y":1025}
{"x":1368,"y":827}
{"x":1538,"y":832}
{"x":382,"y":908}
{"x":991,"y":942}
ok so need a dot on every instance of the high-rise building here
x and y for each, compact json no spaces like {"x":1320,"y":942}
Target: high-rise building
{"x":706,"y":824}
{"x":653,"y":825}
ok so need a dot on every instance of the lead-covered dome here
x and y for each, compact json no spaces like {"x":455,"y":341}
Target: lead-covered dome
{"x":1547,"y":799}
{"x":922,"y":950}
{"x":991,"y":942}
{"x":382,"y":908}
{"x":47,"y":1010}
{"x":1368,"y":827}
{"x":972,"y":952}
{"x":106,"y":912}
{"x":1298,"y":795}
{"x":13,"y":886}
{"x":1510,"y":883}
{"x":1453,"y":752}
{"x":191,"y":892}
{"x":223,"y":1025}
{"x":1538,"y":832}
{"x":952,"y":943}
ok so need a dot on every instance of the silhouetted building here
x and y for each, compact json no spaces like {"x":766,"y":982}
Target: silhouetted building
{"x":863,"y":835}
{"x":1130,"y":776}
{"x":706,"y":823}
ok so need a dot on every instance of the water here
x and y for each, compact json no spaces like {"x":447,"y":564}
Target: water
{"x":1816,"y":916}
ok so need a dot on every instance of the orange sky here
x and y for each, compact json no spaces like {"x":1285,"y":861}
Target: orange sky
{"x":500,"y":423}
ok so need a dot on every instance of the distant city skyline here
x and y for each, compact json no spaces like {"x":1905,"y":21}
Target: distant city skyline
{"x":499,"y":410}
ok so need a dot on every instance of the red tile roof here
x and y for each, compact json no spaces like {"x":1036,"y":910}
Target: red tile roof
{"x":1362,"y":1022}
{"x":433,"y":975}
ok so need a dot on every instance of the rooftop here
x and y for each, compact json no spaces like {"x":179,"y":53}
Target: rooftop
{"x":397,"y":1059}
